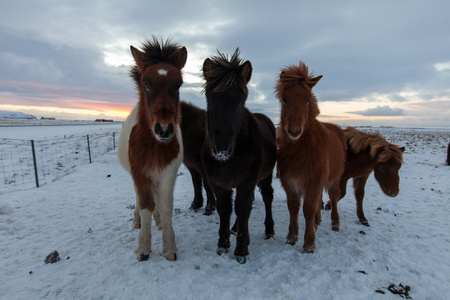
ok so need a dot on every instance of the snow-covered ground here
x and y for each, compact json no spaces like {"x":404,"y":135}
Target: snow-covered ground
{"x":87,"y":217}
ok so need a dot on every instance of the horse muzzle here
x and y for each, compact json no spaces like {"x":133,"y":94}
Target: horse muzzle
{"x":164,"y":134}
{"x":221,"y":155}
{"x":294,"y":134}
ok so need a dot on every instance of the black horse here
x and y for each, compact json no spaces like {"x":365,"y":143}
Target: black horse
{"x":193,"y":130}
{"x":239,"y":150}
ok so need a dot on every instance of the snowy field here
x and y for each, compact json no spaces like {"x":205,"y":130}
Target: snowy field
{"x":87,"y":217}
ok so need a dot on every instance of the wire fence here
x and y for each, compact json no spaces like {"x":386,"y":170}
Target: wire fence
{"x":32,"y":163}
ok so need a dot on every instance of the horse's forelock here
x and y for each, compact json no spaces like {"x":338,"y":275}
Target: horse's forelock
{"x":225,"y":73}
{"x":294,"y":75}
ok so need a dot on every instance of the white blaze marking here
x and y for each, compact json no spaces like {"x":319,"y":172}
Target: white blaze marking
{"x":162,"y":72}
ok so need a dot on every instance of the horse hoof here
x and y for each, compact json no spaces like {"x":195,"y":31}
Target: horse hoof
{"x":308,"y":251}
{"x":268,"y":236}
{"x":143,"y":256}
{"x":208,"y":212}
{"x":292,"y":243}
{"x":171,"y":256}
{"x":241,"y":259}
{"x":195,"y":207}
{"x":335,"y":228}
{"x":366,"y":224}
{"x":221,"y":250}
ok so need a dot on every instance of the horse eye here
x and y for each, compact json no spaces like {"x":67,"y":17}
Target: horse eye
{"x":383,"y":168}
{"x":307,"y":101}
{"x":147,"y":85}
{"x":284,"y":100}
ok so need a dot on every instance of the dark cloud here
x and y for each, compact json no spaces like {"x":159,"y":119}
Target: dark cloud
{"x":380,"y":111}
{"x":361,"y":48}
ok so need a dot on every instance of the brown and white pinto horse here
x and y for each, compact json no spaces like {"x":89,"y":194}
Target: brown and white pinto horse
{"x":311,"y":154}
{"x":369,"y":152}
{"x":151,"y":146}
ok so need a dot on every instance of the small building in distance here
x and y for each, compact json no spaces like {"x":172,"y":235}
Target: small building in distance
{"x":103,"y":120}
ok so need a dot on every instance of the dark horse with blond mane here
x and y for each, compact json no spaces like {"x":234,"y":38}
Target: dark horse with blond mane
{"x":367,"y":152}
{"x":311,"y":154}
{"x":239,"y":150}
{"x":150,"y":145}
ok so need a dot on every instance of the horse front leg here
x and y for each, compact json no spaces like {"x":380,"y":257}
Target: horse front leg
{"x":310,"y":207}
{"x":359,"y":185}
{"x":145,"y":208}
{"x":293,"y":203}
{"x":243,"y":206}
{"x":265,"y":186}
{"x":224,"y":208}
{"x":136,"y":216}
{"x":165,"y":208}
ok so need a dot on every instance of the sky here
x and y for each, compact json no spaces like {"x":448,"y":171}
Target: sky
{"x":383,"y":62}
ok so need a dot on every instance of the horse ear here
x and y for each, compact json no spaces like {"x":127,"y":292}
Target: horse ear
{"x":206,"y":67}
{"x":246,"y":71}
{"x":180,"y":58}
{"x":138,"y":57}
{"x":314,"y":81}
{"x":402,"y":149}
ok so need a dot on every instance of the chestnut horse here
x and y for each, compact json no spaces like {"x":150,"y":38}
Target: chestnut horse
{"x":367,"y":152}
{"x":153,"y":151}
{"x":311,"y":154}
{"x":239,"y":150}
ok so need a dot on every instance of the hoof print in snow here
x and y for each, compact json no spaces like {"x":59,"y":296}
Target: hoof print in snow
{"x":52,"y":257}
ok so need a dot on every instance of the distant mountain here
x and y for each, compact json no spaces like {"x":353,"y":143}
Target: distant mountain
{"x":15,"y":115}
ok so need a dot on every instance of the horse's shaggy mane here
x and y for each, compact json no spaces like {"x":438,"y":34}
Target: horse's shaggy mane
{"x":225,"y":73}
{"x":155,"y":52}
{"x":360,"y":141}
{"x":297,"y":75}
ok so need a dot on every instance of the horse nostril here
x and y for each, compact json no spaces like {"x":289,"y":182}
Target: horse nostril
{"x":158,"y":129}
{"x":171,"y":129}
{"x":299,"y":131}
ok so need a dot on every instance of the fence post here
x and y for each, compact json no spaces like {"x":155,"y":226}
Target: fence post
{"x":114,"y":141}
{"x":35,"y":164}
{"x":89,"y":149}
